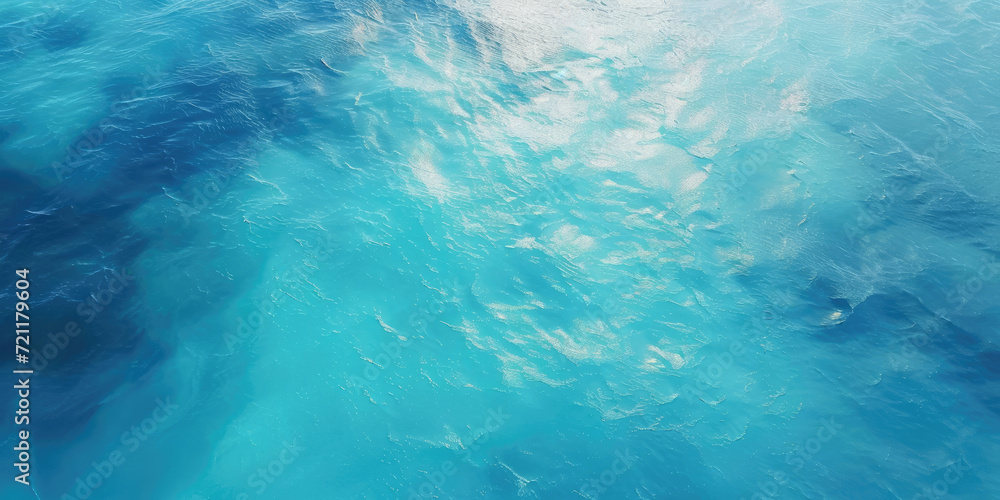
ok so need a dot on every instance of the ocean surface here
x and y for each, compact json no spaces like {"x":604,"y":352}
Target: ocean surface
{"x":504,"y":249}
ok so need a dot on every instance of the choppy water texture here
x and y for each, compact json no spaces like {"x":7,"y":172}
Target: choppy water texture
{"x":505,"y":249}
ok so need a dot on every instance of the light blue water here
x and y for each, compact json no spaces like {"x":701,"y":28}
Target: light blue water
{"x":505,"y":249}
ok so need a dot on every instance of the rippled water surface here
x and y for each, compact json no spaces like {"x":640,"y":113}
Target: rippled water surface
{"x":505,"y":248}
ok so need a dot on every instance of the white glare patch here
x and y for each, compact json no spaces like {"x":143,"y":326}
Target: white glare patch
{"x":694,"y":180}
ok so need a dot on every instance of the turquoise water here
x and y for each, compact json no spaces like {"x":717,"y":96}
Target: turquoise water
{"x":506,"y":249}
